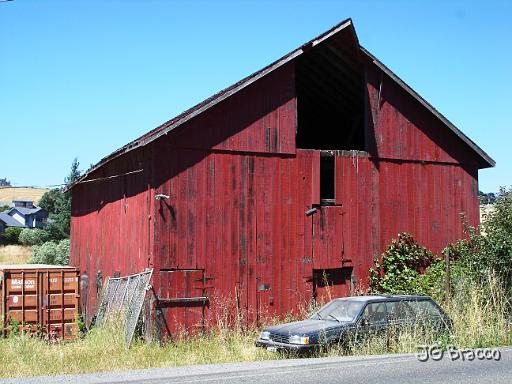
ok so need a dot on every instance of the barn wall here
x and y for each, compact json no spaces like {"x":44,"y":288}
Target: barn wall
{"x":354,"y":193}
{"x":424,"y":176}
{"x":400,"y":128}
{"x":234,"y":216}
{"x":259,"y":118}
{"x":426,"y":200}
{"x":110,"y":224}
{"x":241,"y":219}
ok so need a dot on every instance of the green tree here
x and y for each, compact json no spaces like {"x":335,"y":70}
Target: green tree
{"x":49,"y":200}
{"x":11,"y":235}
{"x":33,"y":236}
{"x":57,"y":202}
{"x":51,"y":252}
{"x":74,"y":174}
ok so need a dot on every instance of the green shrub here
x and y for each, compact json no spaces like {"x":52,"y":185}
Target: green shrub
{"x":33,"y":236}
{"x":488,"y":251}
{"x":402,"y":263}
{"x":51,"y":252}
{"x":407,"y":267}
{"x":10,"y":235}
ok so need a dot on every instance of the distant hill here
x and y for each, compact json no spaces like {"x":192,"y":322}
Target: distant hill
{"x":8,"y":194}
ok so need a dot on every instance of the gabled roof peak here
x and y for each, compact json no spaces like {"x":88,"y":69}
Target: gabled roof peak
{"x":346,"y":27}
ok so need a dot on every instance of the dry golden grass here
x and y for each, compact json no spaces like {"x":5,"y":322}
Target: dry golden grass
{"x":8,"y":194}
{"x":103,"y":349}
{"x":15,"y":254}
{"x":480,"y":320}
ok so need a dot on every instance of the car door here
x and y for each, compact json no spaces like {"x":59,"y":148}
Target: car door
{"x":430,"y":315}
{"x":400,"y":314}
{"x":372,"y":322}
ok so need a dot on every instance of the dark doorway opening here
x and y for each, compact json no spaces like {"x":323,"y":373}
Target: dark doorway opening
{"x":330,"y":99}
{"x":331,"y":283}
{"x":327,"y":177}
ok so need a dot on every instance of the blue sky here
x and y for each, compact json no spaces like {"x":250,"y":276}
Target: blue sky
{"x":81,"y":79}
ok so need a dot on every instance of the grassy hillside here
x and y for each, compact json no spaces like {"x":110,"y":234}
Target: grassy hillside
{"x":8,"y":194}
{"x":15,"y":254}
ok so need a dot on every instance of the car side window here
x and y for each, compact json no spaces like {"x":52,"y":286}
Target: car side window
{"x":375,"y":313}
{"x":398,"y":311}
{"x":425,"y":308}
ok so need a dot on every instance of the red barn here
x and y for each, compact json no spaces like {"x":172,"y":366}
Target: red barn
{"x":290,"y":180}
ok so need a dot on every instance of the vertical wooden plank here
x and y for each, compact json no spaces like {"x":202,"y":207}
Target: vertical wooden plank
{"x":307,"y":264}
{"x":211,"y":257}
{"x":229,"y":279}
{"x":275,"y":173}
{"x":201,"y":201}
{"x":217,"y":265}
{"x":315,"y":177}
{"x":170,"y":235}
{"x":242,"y":209}
{"x":285,"y":203}
{"x":191,"y":210}
{"x":268,"y":232}
{"x":234,"y":234}
{"x":251,"y":239}
{"x":301,"y":207}
{"x":181,"y":211}
{"x":294,"y":254}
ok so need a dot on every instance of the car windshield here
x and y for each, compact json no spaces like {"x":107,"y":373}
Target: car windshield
{"x":339,"y":310}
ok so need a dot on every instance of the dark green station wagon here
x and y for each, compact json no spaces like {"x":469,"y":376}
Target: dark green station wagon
{"x":356,"y":317}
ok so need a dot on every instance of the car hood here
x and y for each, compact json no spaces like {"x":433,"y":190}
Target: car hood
{"x":304,"y":327}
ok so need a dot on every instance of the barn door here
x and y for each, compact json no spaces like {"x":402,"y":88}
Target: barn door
{"x":181,"y":301}
{"x":330,"y":278}
{"x":328,"y":237}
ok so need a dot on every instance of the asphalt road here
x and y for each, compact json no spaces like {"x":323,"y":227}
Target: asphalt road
{"x":368,"y":369}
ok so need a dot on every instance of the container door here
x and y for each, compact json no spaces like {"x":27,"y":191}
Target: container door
{"x":181,"y":302}
{"x":60,"y":303}
{"x":43,"y":299}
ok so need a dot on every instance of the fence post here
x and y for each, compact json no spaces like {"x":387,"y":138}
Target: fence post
{"x":447,"y":280}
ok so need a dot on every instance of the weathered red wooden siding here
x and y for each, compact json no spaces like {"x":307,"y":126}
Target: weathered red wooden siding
{"x":426,"y":200}
{"x":424,"y":175}
{"x":259,"y":118}
{"x":110,"y":227}
{"x":354,"y":192}
{"x":228,"y":174}
{"x":241,"y":219}
{"x":402,"y":129}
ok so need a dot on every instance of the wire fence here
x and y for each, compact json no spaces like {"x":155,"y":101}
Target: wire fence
{"x":124,"y":296}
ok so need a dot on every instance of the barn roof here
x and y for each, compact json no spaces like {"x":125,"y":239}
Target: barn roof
{"x":346,"y":25}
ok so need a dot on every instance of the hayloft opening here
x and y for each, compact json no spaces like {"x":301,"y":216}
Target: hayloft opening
{"x":330,"y":99}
